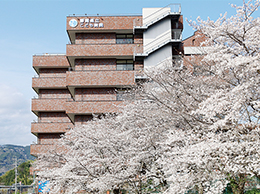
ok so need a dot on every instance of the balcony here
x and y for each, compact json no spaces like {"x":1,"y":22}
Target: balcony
{"x":101,"y":51}
{"x":48,"y":83}
{"x":48,"y":105}
{"x":36,"y":149}
{"x":90,"y":107}
{"x":99,"y":79}
{"x":50,"y":127}
{"x":50,"y":61}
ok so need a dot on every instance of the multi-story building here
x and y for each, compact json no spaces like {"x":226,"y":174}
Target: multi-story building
{"x":106,"y":55}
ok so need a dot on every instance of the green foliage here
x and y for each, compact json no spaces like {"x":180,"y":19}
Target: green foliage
{"x":228,"y":189}
{"x":8,"y":154}
{"x":8,"y":178}
{"x":253,"y":191}
{"x":23,"y":175}
{"x":151,"y":187}
{"x":255,"y":180}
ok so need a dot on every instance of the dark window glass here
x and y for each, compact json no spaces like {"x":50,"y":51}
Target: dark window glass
{"x":124,"y":65}
{"x":124,"y":39}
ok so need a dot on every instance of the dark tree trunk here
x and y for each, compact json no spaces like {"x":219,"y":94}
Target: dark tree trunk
{"x":116,"y":191}
{"x":238,"y":184}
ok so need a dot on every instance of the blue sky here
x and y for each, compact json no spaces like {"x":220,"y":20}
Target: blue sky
{"x":38,"y":26}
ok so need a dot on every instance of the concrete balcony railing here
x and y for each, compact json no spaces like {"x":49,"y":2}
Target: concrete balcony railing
{"x":36,"y":149}
{"x":48,"y":104}
{"x":100,"y":78}
{"x":50,"y":61}
{"x":50,"y":127}
{"x":101,"y":50}
{"x":48,"y":83}
{"x":89,"y":107}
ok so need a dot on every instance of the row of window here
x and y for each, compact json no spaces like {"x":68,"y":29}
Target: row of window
{"x":128,"y":64}
{"x":129,"y":38}
{"x":124,"y":65}
{"x":124,"y":39}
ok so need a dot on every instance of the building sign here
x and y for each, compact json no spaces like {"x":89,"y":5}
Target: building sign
{"x":73,"y":23}
{"x":86,"y":23}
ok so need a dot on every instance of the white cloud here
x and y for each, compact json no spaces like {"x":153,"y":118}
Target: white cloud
{"x":15,"y":117}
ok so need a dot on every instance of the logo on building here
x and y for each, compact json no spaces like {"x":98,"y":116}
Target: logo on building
{"x":91,"y":23}
{"x":86,"y":23}
{"x":73,"y":23}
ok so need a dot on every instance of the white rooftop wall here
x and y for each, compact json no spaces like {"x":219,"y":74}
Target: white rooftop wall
{"x":195,"y":50}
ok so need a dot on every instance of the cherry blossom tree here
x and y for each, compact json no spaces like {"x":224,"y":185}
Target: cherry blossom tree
{"x":224,"y":147}
{"x":113,"y":153}
{"x":179,"y":93}
{"x":182,"y":131}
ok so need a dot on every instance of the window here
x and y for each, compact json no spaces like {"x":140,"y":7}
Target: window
{"x":124,"y":94}
{"x":176,"y":34}
{"x":124,"y":65}
{"x":177,"y":62}
{"x":201,"y":70}
{"x":193,"y":42}
{"x":124,"y":39}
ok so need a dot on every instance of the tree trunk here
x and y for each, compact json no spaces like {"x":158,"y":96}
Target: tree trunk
{"x":116,"y":191}
{"x":200,"y":189}
{"x":238,"y":184}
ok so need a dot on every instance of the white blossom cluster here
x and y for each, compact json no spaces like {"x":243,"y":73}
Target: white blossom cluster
{"x":182,"y":131}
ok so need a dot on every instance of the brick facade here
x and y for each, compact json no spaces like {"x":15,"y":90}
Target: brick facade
{"x":53,"y":72}
{"x":95,"y":64}
{"x":46,"y":105}
{"x":100,"y":78}
{"x":86,"y":80}
{"x":51,"y":127}
{"x":98,"y":38}
{"x":105,"y":50}
{"x":55,"y":93}
{"x":95,"y":94}
{"x":82,"y":119}
{"x":49,"y":61}
{"x":195,"y":40}
{"x":110,"y":23}
{"x":194,"y":61}
{"x":53,"y":117}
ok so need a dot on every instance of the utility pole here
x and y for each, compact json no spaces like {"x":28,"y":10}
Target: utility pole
{"x":15,"y":176}
{"x":34,"y":184}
